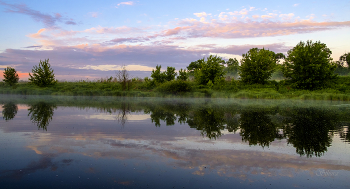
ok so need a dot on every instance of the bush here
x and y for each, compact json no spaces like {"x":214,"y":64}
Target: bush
{"x":43,"y":75}
{"x":10,"y":76}
{"x":209,"y":70}
{"x":175,"y":87}
{"x":309,"y":66}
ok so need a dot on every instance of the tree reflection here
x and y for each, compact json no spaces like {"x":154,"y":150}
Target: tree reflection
{"x":257,"y":128}
{"x":41,"y":114}
{"x":9,"y":110}
{"x":209,"y":121}
{"x":308,"y":130}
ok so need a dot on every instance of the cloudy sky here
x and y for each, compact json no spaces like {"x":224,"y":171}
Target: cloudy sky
{"x":90,"y":39}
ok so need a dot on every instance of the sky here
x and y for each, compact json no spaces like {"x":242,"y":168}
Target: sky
{"x":90,"y":40}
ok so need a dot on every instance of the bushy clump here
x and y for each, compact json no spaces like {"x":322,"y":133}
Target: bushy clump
{"x":43,"y":75}
{"x":175,"y":87}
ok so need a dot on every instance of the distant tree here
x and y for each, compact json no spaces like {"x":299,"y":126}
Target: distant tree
{"x":257,"y":66}
{"x":170,"y":73}
{"x":209,"y":70}
{"x":309,"y":65}
{"x":43,"y":75}
{"x":345,"y":58}
{"x":10,"y":76}
{"x":232,"y":66}
{"x":161,"y":77}
{"x":123,"y":78}
{"x":182,"y":75}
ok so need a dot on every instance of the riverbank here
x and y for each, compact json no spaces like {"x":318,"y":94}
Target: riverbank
{"x":339,"y":90}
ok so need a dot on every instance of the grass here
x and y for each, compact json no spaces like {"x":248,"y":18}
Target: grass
{"x":338,"y":91}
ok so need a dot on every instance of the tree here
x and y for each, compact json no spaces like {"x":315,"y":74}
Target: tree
{"x":232,"y":66}
{"x":170,"y":73}
{"x":10,"y":76}
{"x":9,"y":110}
{"x":161,"y":77}
{"x":123,"y":78}
{"x":309,"y":65}
{"x":345,"y":58}
{"x":209,"y":70}
{"x":43,"y":75}
{"x":257,"y":66}
{"x":182,"y":75}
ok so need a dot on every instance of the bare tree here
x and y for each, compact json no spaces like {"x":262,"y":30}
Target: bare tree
{"x":123,"y":78}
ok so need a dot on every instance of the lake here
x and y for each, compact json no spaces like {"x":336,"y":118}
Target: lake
{"x":111,"y":142}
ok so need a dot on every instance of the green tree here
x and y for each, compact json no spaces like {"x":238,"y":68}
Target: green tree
{"x":10,"y":76}
{"x":195,"y":66}
{"x":161,"y":77}
{"x":43,"y":75}
{"x":182,"y":75}
{"x":309,"y":65}
{"x":209,"y":70}
{"x":170,"y":73}
{"x":257,"y":66}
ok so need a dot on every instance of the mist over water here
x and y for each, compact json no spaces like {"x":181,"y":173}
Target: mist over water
{"x":111,"y":142}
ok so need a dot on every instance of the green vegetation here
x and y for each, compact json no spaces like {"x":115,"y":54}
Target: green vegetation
{"x":10,"y":76}
{"x":307,"y":73}
{"x":43,"y":75}
{"x":257,"y":66}
{"x":309,"y":66}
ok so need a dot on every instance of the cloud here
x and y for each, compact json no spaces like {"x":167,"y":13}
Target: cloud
{"x":38,"y":34}
{"x":34,"y":46}
{"x":47,"y":19}
{"x":70,"y":23}
{"x":295,"y":5}
{"x":118,"y":67}
{"x":125,"y":3}
{"x":94,"y":14}
{"x":201,"y":14}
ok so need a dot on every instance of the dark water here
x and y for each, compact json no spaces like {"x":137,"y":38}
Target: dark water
{"x":75,"y":142}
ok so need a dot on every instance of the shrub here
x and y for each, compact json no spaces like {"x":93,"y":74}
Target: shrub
{"x":175,"y":87}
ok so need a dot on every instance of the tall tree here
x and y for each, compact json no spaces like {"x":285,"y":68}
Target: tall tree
{"x":257,"y":66}
{"x":10,"y":76}
{"x":43,"y":75}
{"x":209,"y":70}
{"x":309,"y":65}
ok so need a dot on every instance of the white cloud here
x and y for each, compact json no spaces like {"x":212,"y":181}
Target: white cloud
{"x":201,"y":14}
{"x":295,"y":5}
{"x":125,"y":3}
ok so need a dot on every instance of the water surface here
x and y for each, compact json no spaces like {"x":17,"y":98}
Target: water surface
{"x":107,"y":142}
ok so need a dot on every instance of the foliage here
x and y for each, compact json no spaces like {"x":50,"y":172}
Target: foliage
{"x":10,"y":76}
{"x":257,"y":66}
{"x":183,"y":75}
{"x":195,"y":66}
{"x":309,"y":65}
{"x":209,"y":70}
{"x":175,"y":86}
{"x":345,"y":58}
{"x":161,"y":77}
{"x":43,"y":75}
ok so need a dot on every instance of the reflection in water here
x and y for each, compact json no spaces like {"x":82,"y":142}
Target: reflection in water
{"x":209,"y":121}
{"x":9,"y":111}
{"x":257,"y":128}
{"x":308,"y":130}
{"x":41,"y":114}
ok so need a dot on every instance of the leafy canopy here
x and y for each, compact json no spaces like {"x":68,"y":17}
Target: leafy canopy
{"x":10,"y":76}
{"x":209,"y":69}
{"x":257,"y":66}
{"x":43,"y":75}
{"x":161,"y":77}
{"x":309,"y":65}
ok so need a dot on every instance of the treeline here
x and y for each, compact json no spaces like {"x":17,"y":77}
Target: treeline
{"x":260,"y":73}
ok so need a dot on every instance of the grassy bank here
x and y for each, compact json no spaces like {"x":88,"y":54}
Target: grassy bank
{"x":339,"y":90}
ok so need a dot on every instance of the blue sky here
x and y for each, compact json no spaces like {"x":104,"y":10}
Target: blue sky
{"x":89,"y":39}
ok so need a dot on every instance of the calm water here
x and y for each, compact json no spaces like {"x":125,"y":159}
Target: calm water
{"x":67,"y":142}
